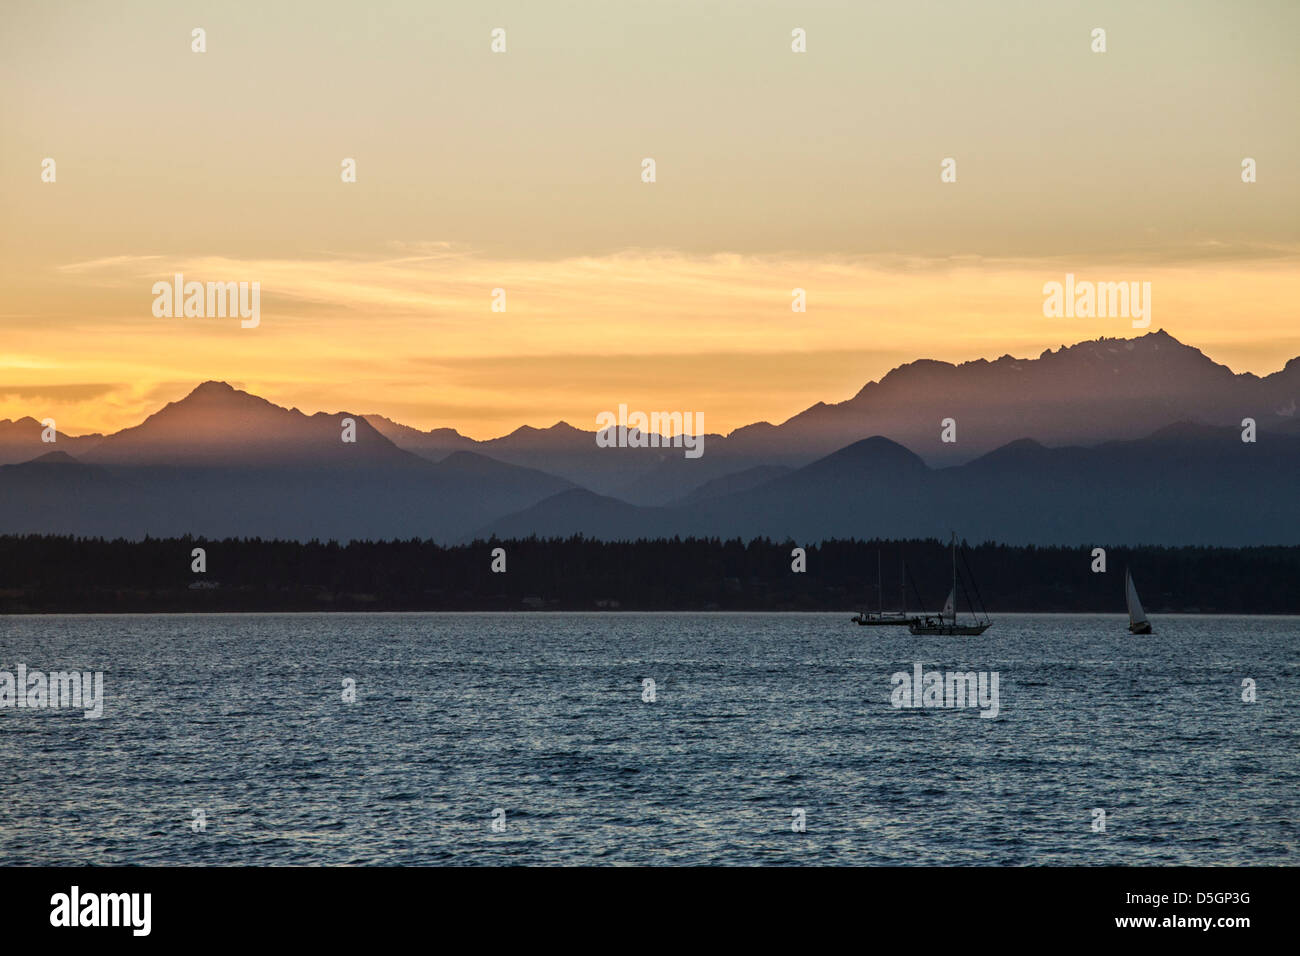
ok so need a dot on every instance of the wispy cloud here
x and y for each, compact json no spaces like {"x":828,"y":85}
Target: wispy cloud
{"x":412,"y":329}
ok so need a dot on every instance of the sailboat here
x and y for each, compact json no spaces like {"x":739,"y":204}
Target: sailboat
{"x":1137,"y":618}
{"x":880,"y":617}
{"x":946,"y":624}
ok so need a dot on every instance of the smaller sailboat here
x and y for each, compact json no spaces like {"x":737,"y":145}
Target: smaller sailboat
{"x":1137,"y":618}
{"x":883,"y":617}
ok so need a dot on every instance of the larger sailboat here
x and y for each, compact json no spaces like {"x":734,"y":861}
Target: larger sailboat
{"x":946,"y":624}
{"x":1137,"y":618}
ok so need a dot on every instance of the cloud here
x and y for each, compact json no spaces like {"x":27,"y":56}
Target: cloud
{"x":56,"y":393}
{"x":411,"y":333}
{"x":115,"y":263}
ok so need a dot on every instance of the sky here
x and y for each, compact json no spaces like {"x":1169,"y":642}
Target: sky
{"x":522,"y":171}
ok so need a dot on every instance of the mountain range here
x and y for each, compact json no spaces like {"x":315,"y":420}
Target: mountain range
{"x":1114,"y":440}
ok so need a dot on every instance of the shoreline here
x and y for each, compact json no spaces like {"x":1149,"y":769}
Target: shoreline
{"x":604,"y":612}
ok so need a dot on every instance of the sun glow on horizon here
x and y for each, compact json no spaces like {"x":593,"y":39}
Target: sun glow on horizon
{"x":521,"y":171}
{"x":413,"y":337}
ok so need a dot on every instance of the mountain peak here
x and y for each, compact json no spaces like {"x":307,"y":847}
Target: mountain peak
{"x":55,"y":458}
{"x":874,"y":452}
{"x":564,"y":428}
{"x":218,"y":424}
{"x":216,"y":395}
{"x":215,"y":392}
{"x":213,"y":387}
{"x":559,"y":435}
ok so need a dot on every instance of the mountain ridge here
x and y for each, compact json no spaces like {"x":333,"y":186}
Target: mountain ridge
{"x":1086,"y":394}
{"x":1187,"y":484}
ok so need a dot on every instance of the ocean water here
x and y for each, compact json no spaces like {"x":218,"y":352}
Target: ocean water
{"x":755,"y":716}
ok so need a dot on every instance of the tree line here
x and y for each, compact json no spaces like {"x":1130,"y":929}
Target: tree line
{"x":49,"y":573}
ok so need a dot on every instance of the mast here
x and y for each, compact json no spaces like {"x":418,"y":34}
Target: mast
{"x":954,"y":577}
{"x":902,"y":583}
{"x":880,"y":591}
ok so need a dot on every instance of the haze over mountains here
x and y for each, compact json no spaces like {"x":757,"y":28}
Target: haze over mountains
{"x":1163,"y":463}
{"x":1186,"y":484}
{"x":1078,"y":395}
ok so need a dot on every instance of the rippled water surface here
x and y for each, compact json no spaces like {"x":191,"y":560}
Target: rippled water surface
{"x":541,"y":715}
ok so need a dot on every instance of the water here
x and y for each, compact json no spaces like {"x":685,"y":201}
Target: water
{"x":756,"y":715}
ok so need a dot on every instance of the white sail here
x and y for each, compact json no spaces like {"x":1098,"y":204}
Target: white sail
{"x":1135,"y":613}
{"x":950,"y":606}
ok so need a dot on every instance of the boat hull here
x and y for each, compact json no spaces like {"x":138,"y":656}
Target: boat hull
{"x":1143,"y":628}
{"x":949,"y":630}
{"x":873,"y":620}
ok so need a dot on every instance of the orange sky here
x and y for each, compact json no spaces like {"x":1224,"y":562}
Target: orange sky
{"x":413,"y":337}
{"x":522,"y":171}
